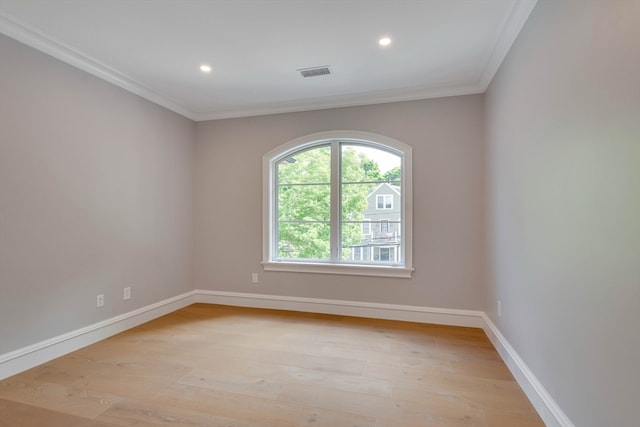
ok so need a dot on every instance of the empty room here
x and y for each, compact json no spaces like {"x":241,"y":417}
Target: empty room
{"x":270,"y":213}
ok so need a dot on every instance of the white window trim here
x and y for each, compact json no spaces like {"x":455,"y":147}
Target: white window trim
{"x":400,"y":148}
{"x":368,"y":222}
{"x":384,"y":201}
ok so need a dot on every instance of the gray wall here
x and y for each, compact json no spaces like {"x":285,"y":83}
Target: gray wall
{"x":96,"y":193}
{"x":447,"y":137}
{"x":564,"y":177}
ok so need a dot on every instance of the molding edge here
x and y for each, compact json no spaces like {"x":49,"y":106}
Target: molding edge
{"x":36,"y":354}
{"x":513,"y":23}
{"x":12,"y":27}
{"x":438,"y":316}
{"x":33,"y":355}
{"x":512,"y":26}
{"x":318,"y":104}
{"x":541,"y":400}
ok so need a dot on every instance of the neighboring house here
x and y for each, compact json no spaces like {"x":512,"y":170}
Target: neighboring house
{"x":380,"y":227}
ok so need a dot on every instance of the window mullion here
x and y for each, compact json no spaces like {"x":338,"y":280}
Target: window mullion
{"x":336,"y":178}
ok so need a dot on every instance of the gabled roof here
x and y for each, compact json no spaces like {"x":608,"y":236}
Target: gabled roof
{"x":391,"y":187}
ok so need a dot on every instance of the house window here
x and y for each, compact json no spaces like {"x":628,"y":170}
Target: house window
{"x":384,"y":201}
{"x":366,"y":226}
{"x":384,"y":225}
{"x":384,"y":254}
{"x":319,"y":205}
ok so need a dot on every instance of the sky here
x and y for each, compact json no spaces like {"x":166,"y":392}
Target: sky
{"x":386,"y":161}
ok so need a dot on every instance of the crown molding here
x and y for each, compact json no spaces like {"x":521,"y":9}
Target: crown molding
{"x":353,"y":101}
{"x":511,"y":27}
{"x":513,"y":23}
{"x":15,"y":29}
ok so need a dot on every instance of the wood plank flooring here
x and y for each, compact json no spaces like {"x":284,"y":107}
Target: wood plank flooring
{"x":215,"y":366}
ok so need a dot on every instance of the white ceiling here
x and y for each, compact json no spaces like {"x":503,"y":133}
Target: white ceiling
{"x":155,"y":48}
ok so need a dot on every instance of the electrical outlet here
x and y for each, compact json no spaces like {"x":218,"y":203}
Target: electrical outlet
{"x":254,"y":277}
{"x":126,"y":294}
{"x":499,"y":308}
{"x":100,"y":300}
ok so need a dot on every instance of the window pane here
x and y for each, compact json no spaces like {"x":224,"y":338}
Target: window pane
{"x":385,"y":254}
{"x":311,"y":166}
{"x":366,"y":227}
{"x":371,"y":193}
{"x":303,"y":204}
{"x":303,"y":240}
{"x":346,"y":216}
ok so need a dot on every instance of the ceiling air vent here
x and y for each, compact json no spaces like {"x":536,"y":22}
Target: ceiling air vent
{"x":315,"y":71}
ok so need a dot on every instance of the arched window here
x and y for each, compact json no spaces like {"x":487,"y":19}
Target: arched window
{"x":338,"y":202}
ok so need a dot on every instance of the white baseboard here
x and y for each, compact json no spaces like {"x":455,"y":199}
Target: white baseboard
{"x":36,"y":354}
{"x":407,"y":313}
{"x":547,"y":408}
{"x":33,"y":355}
{"x":544,"y":404}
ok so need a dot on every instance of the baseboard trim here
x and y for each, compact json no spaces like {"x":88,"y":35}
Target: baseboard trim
{"x":541,"y":400}
{"x":28,"y":357}
{"x":33,"y":355}
{"x":544,"y":404}
{"x":440,"y":316}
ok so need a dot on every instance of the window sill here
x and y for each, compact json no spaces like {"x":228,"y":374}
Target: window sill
{"x":345,"y":269}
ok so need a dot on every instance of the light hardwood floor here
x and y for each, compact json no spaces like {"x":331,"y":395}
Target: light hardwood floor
{"x":210,"y":365}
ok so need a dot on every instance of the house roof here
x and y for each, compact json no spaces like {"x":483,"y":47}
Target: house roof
{"x":380,"y":186}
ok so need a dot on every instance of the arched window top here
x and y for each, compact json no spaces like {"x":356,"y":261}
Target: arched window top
{"x":370,"y":138}
{"x":338,"y":202}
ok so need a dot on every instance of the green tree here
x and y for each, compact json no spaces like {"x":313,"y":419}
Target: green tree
{"x":370,"y":169}
{"x":304,"y":200}
{"x":392,"y":175}
{"x":304,"y":197}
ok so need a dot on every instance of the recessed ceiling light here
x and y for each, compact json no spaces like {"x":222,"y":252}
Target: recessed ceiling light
{"x":384,"y":41}
{"x":205,"y":68}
